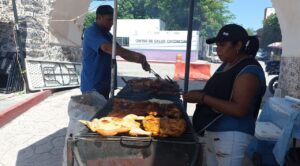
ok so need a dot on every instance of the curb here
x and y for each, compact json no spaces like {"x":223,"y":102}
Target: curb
{"x":12,"y":112}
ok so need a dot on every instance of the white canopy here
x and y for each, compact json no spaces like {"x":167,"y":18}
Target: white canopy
{"x":66,"y":22}
{"x":288,"y":14}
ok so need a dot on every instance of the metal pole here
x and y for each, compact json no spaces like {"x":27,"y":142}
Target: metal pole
{"x":113,"y":56}
{"x":20,"y":50}
{"x":188,"y":49}
{"x":19,"y":44}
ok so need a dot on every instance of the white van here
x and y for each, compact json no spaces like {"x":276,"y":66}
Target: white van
{"x":213,"y":57}
{"x":214,"y":49}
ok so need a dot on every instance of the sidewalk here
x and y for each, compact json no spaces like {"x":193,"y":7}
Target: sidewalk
{"x":13,"y":105}
{"x":36,"y":138}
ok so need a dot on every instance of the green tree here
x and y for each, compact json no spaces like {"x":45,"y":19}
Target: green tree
{"x":212,"y":15}
{"x":250,"y":31}
{"x":166,"y":10}
{"x":209,"y":15}
{"x":89,"y":19}
{"x":271,"y":31}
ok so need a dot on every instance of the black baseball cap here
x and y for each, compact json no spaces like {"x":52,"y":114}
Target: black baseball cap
{"x":230,"y":32}
{"x":105,"y":10}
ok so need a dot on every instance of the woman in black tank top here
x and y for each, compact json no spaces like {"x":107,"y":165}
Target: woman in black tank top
{"x":229,"y":97}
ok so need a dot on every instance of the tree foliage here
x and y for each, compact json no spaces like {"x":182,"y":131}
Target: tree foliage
{"x":213,"y":14}
{"x":89,"y":19}
{"x":250,"y":31}
{"x":209,"y":15}
{"x":271,"y":31}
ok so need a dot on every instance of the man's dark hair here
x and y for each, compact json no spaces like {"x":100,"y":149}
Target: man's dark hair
{"x":105,"y":10}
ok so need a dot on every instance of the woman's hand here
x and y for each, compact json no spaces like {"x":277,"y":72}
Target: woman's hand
{"x":194,"y":96}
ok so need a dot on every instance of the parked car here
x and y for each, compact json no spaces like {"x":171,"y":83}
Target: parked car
{"x":273,"y":68}
{"x":215,"y":59}
{"x":262,"y":56}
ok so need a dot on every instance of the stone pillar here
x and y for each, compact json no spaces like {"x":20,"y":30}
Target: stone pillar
{"x":7,"y":43}
{"x":34,"y":25}
{"x":288,"y":14}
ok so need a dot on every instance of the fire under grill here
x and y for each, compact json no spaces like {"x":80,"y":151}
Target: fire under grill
{"x":88,"y":148}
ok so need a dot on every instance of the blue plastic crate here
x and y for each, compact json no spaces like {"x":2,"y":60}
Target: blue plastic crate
{"x":263,"y":150}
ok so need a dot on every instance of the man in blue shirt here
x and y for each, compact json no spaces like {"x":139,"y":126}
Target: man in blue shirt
{"x":97,"y":51}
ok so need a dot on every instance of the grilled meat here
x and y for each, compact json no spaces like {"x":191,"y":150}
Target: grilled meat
{"x":122,"y":107}
{"x":172,"y":127}
{"x":155,"y":85}
{"x":152,"y":124}
{"x":110,"y":126}
{"x":164,"y":127}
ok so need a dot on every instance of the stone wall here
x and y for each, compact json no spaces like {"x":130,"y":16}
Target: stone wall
{"x":289,"y":78}
{"x":33,"y":18}
{"x":288,"y":17}
{"x":7,"y":42}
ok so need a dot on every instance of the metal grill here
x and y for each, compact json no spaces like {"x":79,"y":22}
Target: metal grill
{"x":89,"y":148}
{"x":122,"y":150}
{"x":187,"y":136}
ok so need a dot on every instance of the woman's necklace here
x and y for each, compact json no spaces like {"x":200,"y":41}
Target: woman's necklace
{"x":229,"y":66}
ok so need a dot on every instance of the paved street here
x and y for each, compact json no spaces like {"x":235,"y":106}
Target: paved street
{"x":36,"y":138}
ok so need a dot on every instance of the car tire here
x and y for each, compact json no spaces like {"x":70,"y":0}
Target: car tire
{"x":273,"y":84}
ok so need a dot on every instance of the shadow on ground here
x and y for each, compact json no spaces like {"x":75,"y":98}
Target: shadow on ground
{"x":47,"y":151}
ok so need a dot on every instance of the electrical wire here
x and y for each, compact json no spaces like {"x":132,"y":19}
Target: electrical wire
{"x":18,"y":60}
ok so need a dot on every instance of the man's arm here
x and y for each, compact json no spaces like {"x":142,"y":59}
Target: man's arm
{"x":127,"y":55}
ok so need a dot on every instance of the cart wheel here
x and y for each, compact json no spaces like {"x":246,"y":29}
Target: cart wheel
{"x":273,"y":84}
{"x":256,"y":159}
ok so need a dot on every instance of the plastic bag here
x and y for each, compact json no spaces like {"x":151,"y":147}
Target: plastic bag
{"x":82,"y":107}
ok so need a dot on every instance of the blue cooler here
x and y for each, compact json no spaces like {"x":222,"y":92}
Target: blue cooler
{"x":261,"y":147}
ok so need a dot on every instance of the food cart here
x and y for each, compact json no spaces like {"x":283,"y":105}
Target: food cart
{"x":88,"y":148}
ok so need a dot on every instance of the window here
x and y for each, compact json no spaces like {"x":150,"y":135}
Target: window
{"x":123,"y":41}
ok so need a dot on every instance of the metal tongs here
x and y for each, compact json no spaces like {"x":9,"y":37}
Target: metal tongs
{"x":155,"y":74}
{"x":159,"y":77}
